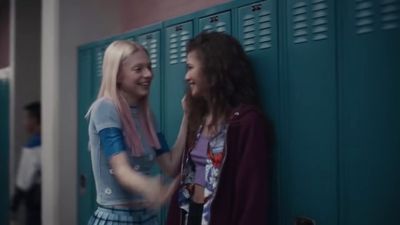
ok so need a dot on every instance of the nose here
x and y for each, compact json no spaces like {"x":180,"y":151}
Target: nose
{"x":187,"y":77}
{"x":148,"y":73}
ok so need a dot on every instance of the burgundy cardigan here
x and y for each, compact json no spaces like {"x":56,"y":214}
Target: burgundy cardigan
{"x":242,"y":195}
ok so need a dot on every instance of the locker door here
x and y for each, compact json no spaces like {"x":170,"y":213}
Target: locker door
{"x":258,"y":34}
{"x":309,"y":142}
{"x":86,"y":187}
{"x":4,"y":151}
{"x":98,"y":66}
{"x":128,"y":37}
{"x":175,"y":68}
{"x":220,"y":22}
{"x":151,"y":41}
{"x":369,"y":86}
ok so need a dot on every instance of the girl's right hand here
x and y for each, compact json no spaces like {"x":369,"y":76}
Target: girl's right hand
{"x":158,"y":193}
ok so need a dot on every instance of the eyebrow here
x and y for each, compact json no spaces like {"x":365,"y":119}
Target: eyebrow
{"x":141,"y":64}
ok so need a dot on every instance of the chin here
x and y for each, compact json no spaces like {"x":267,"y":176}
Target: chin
{"x":145,"y":95}
{"x":193,"y":93}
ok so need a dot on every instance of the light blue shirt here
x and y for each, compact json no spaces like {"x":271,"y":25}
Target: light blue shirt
{"x":104,"y":115}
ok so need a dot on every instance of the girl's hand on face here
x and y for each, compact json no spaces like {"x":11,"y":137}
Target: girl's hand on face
{"x":185,"y":104}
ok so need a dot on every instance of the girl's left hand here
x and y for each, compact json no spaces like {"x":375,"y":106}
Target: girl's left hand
{"x":185,"y":105}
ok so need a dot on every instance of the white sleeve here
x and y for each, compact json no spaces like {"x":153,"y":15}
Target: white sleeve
{"x":29,"y":164}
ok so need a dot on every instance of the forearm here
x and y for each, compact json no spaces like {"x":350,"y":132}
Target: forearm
{"x":131,"y":180}
{"x":127,"y":177}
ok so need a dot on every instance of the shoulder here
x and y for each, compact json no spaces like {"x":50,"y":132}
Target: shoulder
{"x":103,"y":108}
{"x":34,"y":142}
{"x":246,"y":115}
{"x":103,"y":104}
{"x":249,"y":120}
{"x":104,"y":114}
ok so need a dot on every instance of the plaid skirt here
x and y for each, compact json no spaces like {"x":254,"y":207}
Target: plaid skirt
{"x":117,"y":216}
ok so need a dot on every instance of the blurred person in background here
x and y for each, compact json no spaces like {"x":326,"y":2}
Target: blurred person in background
{"x":28,"y":184}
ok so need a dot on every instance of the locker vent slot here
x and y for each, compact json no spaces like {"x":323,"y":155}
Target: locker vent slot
{"x":99,"y":59}
{"x":390,"y":13}
{"x":264,"y":29}
{"x":364,"y":16}
{"x":249,"y":32}
{"x":256,"y":27}
{"x":300,"y":26}
{"x":150,"y":43}
{"x":177,"y":45}
{"x":320,"y":20}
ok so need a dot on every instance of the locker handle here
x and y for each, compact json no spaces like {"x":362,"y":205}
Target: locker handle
{"x":302,"y":220}
{"x":82,"y":184}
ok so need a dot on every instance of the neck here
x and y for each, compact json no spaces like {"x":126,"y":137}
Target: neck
{"x":132,"y":101}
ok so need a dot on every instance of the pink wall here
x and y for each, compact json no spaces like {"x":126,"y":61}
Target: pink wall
{"x":138,"y":13}
{"x":4,"y":34}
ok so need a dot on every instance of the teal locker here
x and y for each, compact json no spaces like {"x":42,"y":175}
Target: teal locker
{"x":86,"y":187}
{"x":220,"y":22}
{"x":308,"y":154}
{"x":151,"y":41}
{"x":4,"y":151}
{"x":98,"y":66}
{"x":176,"y":37}
{"x":369,"y":112}
{"x":258,"y":34}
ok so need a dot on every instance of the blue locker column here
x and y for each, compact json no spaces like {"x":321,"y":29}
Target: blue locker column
{"x":4,"y":151}
{"x":369,"y":87}
{"x":86,"y":187}
{"x":258,"y":34}
{"x":176,"y":37}
{"x":130,"y":36}
{"x":308,"y":157}
{"x":151,"y":41}
{"x":97,"y":74}
{"x":220,"y":22}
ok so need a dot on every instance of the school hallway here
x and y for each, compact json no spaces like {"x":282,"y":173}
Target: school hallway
{"x":327,"y":71}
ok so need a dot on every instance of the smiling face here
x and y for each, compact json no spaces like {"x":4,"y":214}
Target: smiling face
{"x":135,"y":76}
{"x":194,"y":75}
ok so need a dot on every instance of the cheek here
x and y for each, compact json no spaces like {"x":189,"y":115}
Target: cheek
{"x":130,"y":78}
{"x":202,"y":81}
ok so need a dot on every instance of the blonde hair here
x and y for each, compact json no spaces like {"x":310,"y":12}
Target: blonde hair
{"x":114,"y":56}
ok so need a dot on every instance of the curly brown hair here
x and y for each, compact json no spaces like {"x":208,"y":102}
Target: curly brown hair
{"x":229,"y":76}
